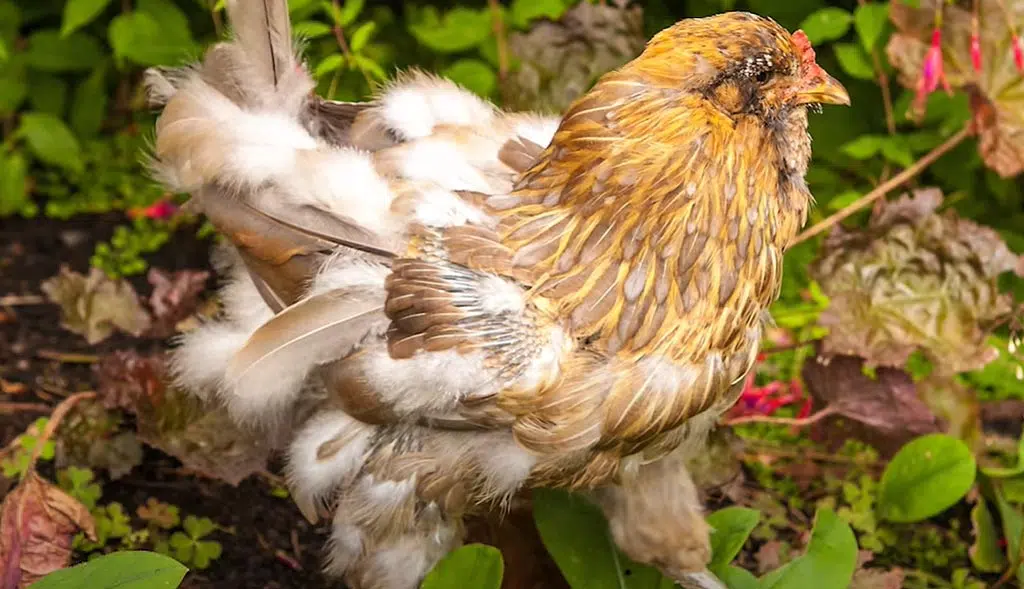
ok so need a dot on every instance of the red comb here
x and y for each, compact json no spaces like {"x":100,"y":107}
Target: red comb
{"x":808,"y":65}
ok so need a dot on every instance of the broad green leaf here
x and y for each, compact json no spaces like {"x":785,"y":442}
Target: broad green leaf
{"x":854,"y":61}
{"x":311,"y":29}
{"x":78,"y":13}
{"x":50,"y":140}
{"x":1000,"y":473}
{"x":50,"y":52}
{"x":1013,"y":530}
{"x":90,"y":104}
{"x":3,"y":50}
{"x":121,"y":570}
{"x":459,"y":30}
{"x":827,"y":24}
{"x":474,"y":75}
{"x":737,"y":578}
{"x":13,"y":188}
{"x":926,"y":477}
{"x":474,"y":565}
{"x":173,"y":21}
{"x":13,"y":86}
{"x":362,"y":35}
{"x":524,"y":11}
{"x":986,"y":556}
{"x":370,"y":66}
{"x":897,"y":150}
{"x":47,"y":93}
{"x":730,"y":528}
{"x":829,"y":562}
{"x":10,"y":22}
{"x":576,"y":535}
{"x":863,"y":147}
{"x":346,"y":14}
{"x":870,"y":20}
{"x":141,"y":38}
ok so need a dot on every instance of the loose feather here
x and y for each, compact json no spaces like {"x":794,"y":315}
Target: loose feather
{"x":270,"y":368}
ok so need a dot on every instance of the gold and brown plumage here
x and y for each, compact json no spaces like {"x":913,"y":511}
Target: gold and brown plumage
{"x":438,"y":303}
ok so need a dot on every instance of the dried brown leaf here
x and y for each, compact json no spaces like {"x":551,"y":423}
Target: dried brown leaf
{"x":914,"y":280}
{"x":885,"y":410}
{"x":94,"y":306}
{"x":174,"y":298}
{"x":997,"y":92}
{"x":202,"y":437}
{"x":877,"y":579}
{"x":37,"y":523}
{"x":558,"y":61}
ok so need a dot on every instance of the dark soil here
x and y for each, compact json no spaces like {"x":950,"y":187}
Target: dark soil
{"x":267,"y":539}
{"x":267,"y":543}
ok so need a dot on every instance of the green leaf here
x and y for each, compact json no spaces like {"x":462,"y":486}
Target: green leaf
{"x":576,"y":535}
{"x":926,"y":477}
{"x":524,"y":11}
{"x":13,"y":187}
{"x":311,"y":29}
{"x":10,"y":22}
{"x":737,"y":578}
{"x":863,"y":147}
{"x":1013,"y":530}
{"x":460,"y":29}
{"x":89,"y":107}
{"x":51,"y":141}
{"x":730,"y":528}
{"x":361,"y":36}
{"x":141,"y":38}
{"x":473,"y":565}
{"x":474,"y":75}
{"x":897,"y":150}
{"x":172,"y":19}
{"x":123,"y":570}
{"x":829,"y":562}
{"x":827,"y":24}
{"x":854,"y":61}
{"x":13,"y":87}
{"x":78,"y":13}
{"x":47,"y":93}
{"x":870,"y":20}
{"x":984,"y":552}
{"x":198,"y":527}
{"x":50,"y":52}
{"x":368,"y":65}
{"x":3,"y":50}
{"x":328,"y":65}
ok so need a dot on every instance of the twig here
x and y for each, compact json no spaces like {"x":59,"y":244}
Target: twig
{"x":339,"y":36}
{"x":12,"y":300}
{"x":6,"y":406}
{"x":499,"y":35}
{"x":68,"y":357}
{"x":790,"y":421}
{"x":883,"y":81}
{"x":59,"y":412}
{"x":882,"y":189}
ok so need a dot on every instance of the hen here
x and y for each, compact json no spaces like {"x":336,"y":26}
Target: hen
{"x":435,"y":304}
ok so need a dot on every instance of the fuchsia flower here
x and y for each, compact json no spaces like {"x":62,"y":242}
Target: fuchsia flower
{"x":1018,"y":53}
{"x":161,"y":210}
{"x":931,"y":73}
{"x":976,"y":50}
{"x":770,"y":398}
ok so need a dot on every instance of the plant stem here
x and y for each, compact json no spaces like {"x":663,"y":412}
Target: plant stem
{"x":794,"y":422}
{"x":59,"y":412}
{"x":882,"y":189}
{"x":339,"y":36}
{"x":883,"y":82}
{"x":499,"y":35}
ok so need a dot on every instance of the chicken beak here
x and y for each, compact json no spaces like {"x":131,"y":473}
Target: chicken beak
{"x":823,"y":89}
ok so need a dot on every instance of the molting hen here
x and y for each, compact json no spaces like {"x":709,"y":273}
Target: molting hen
{"x":435,"y":304}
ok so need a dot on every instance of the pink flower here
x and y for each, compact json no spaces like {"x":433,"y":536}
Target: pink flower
{"x":1018,"y":54}
{"x":160,"y":210}
{"x":931,"y":72}
{"x":976,"y":51}
{"x":768,"y":399}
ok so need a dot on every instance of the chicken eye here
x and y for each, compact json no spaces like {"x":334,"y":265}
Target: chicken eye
{"x":762,"y":76}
